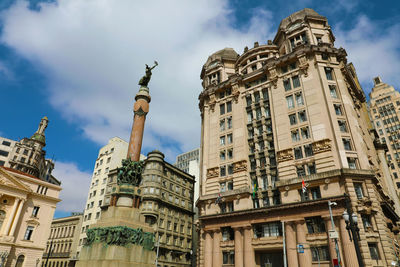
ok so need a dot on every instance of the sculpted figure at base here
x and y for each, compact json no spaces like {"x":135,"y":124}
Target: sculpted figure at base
{"x":146,"y":78}
{"x":130,"y":172}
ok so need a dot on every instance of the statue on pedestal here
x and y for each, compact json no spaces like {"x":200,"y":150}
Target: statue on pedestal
{"x":146,"y":78}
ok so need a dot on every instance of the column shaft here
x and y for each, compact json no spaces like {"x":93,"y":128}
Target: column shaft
{"x":238,"y":248}
{"x":140,"y":109}
{"x":350,"y":256}
{"x":14,"y":225}
{"x":305,"y":259}
{"x":331,"y":242}
{"x":291,"y":252}
{"x":208,"y":251}
{"x":249,"y":257}
{"x":12,"y":215}
{"x":217,"y":255}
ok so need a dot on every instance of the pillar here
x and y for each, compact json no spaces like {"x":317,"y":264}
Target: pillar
{"x":291,"y":249}
{"x":305,"y":259}
{"x":217,"y":255}
{"x":208,"y":250}
{"x":331,"y":242}
{"x":249,"y":256}
{"x":350,"y":256}
{"x":238,"y":247}
{"x":11,"y":216}
{"x":14,"y":225}
{"x":140,"y":110}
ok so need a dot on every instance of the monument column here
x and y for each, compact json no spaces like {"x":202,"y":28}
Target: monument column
{"x":216,"y":254}
{"x":291,"y":250}
{"x":305,"y":259}
{"x":238,"y":247}
{"x":249,"y":257}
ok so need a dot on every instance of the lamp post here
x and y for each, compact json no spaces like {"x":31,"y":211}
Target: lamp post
{"x":333,"y":229}
{"x":352,"y":228}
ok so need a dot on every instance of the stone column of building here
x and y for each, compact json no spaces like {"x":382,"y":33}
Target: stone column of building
{"x":216,"y":254}
{"x":388,"y":179}
{"x":249,"y":257}
{"x":11,"y":217}
{"x":305,"y":259}
{"x":350,"y":256}
{"x":14,"y":224}
{"x":140,"y":109}
{"x":291,"y":252}
{"x":238,"y":247}
{"x":208,"y":250}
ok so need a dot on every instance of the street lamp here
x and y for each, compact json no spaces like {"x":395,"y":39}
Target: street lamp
{"x":352,"y":228}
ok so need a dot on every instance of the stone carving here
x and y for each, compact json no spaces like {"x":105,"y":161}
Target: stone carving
{"x":120,"y":236}
{"x":285,"y":155}
{"x":212,"y":101}
{"x":239,"y":166}
{"x":146,"y":78}
{"x":213,"y":172}
{"x":321,"y":146}
{"x":130,"y":172}
{"x":273,"y":76}
{"x":303,"y":64}
{"x":235,"y":92}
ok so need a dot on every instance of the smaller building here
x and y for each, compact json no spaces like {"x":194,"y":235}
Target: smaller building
{"x":61,"y":249}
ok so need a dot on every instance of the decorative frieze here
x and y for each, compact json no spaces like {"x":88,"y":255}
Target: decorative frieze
{"x":322,"y":146}
{"x":303,"y":64}
{"x":273,"y":76}
{"x":239,"y":166}
{"x":285,"y":155}
{"x":213,"y":172}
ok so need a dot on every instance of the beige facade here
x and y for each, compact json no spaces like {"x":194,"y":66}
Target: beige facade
{"x":384,"y":111}
{"x":109,"y":158}
{"x":61,"y":249}
{"x":280,"y":113}
{"x":27,"y":206}
{"x":6,"y":146}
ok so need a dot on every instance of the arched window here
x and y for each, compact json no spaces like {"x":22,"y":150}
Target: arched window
{"x":20,"y":261}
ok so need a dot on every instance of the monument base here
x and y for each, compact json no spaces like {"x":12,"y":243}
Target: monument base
{"x":100,"y":254}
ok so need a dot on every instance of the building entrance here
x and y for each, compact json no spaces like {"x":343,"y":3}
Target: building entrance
{"x":269,"y":258}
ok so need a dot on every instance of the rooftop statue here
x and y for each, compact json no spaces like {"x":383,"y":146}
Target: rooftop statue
{"x":146,"y":78}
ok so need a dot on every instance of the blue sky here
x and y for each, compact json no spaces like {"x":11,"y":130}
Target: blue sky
{"x":78,"y":62}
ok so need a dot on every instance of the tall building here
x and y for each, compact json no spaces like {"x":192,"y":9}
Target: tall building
{"x":28,"y":198}
{"x":62,"y":244}
{"x":285,"y":129}
{"x":109,"y":158}
{"x":384,"y":111}
{"x":6,"y":146}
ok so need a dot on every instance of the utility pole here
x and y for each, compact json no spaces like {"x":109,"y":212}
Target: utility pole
{"x":333,"y":229}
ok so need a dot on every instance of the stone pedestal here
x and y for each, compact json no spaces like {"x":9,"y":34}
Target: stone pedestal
{"x":100,"y":254}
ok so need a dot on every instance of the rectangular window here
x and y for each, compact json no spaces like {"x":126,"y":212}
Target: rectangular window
{"x":338,"y":109}
{"x":6,"y":143}
{"x":328,"y":72}
{"x":359,"y":191}
{"x":315,"y":193}
{"x":222,"y":171}
{"x":302,"y":116}
{"x":222,"y":155}
{"x":267,"y":229}
{"x":289,"y":101}
{"x":28,"y":233}
{"x":35,"y":211}
{"x":292,"y":119}
{"x":230,"y":185}
{"x":230,"y":153}
{"x":299,"y":99}
{"x":373,"y":250}
{"x":227,"y":233}
{"x":308,"y":150}
{"x":249,"y":117}
{"x":229,"y":138}
{"x":228,"y":257}
{"x":248,"y":100}
{"x":257,"y":97}
{"x":298,"y":154}
{"x":222,"y":140}
{"x":222,"y":109}
{"x":352,"y":163}
{"x":320,"y":253}
{"x":229,"y":122}
{"x":258,"y":113}
{"x":305,"y":133}
{"x":315,"y":225}
{"x":366,"y":219}
{"x":311,"y":168}
{"x":3,"y":153}
{"x":222,"y":125}
{"x":300,"y":171}
{"x":228,"y":106}
{"x":286,"y":85}
{"x":346,"y":144}
{"x":296,"y":81}
{"x":295,"y":136}
{"x":230,"y":169}
{"x":342,"y":126}
{"x":332,"y":91}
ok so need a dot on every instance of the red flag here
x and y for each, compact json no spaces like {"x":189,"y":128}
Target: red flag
{"x":303,"y":185}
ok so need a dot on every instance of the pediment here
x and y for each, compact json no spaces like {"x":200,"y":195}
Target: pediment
{"x":9,"y":180}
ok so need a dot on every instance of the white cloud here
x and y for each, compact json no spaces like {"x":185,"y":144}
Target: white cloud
{"x":94,"y":54}
{"x":75,"y":186}
{"x":6,"y":71}
{"x":373,"y":49}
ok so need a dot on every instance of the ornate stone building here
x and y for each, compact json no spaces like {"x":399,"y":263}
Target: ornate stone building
{"x":28,"y":198}
{"x":61,"y":249}
{"x":285,"y":129}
